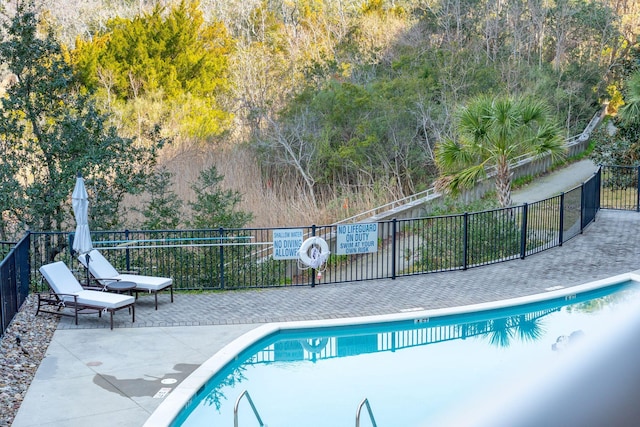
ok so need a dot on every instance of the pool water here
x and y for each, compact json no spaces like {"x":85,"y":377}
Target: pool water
{"x":411,"y":372}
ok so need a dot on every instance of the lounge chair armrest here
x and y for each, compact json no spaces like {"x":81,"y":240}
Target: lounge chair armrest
{"x":51,"y":295}
{"x":46,"y":295}
{"x":65,"y":295}
{"x":94,"y":284}
{"x":106,"y":279}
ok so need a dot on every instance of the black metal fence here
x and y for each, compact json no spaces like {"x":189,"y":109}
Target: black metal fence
{"x":219,"y":259}
{"x":620,"y":186}
{"x":243,"y":258}
{"x":5,"y":247}
{"x":14,"y":280}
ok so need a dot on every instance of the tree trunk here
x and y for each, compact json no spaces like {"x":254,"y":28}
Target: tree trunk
{"x":503,"y":183}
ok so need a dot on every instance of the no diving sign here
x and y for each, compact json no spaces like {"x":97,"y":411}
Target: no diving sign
{"x":286,"y":243}
{"x":357,"y":238}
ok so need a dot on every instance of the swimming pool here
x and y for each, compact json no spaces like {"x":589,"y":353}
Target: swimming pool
{"x":412,"y":367}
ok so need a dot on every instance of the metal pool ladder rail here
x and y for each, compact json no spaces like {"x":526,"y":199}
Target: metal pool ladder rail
{"x":253,"y":407}
{"x":364,"y":402}
{"x":246,"y":394}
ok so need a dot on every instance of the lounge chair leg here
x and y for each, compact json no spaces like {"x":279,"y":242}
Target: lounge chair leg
{"x":133,"y":313}
{"x":171,"y":290}
{"x":156,"y":295}
{"x":111,"y":311}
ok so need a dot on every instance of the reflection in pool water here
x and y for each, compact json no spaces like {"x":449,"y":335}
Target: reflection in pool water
{"x":410,"y":372}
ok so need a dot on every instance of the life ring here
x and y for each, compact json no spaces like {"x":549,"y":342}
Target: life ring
{"x":314,"y":252}
{"x":314,"y":345}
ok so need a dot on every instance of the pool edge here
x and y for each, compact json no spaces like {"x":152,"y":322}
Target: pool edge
{"x":168,"y":410}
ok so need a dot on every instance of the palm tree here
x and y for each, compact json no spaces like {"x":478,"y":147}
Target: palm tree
{"x":630,"y":112}
{"x":492,"y":132}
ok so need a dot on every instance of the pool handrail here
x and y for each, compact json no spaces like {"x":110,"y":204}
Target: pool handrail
{"x":364,"y":402}
{"x":253,"y":407}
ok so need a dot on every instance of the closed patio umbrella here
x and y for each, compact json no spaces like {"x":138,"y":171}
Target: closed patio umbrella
{"x":80,"y":202}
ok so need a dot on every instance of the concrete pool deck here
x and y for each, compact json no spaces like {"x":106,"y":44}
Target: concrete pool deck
{"x":98,"y":377}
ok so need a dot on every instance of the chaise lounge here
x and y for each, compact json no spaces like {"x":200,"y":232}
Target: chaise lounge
{"x":68,"y":293}
{"x":104,"y":273}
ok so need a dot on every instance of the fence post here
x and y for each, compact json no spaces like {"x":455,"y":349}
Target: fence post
{"x":638,"y":189}
{"x":394,"y":223}
{"x":582,"y":207}
{"x":23,"y":267}
{"x":465,"y":240}
{"x":561,"y":231}
{"x":598,"y":175}
{"x":313,"y":274}
{"x":221,"y":252}
{"x":25,"y":263}
{"x":127,"y":259}
{"x":523,"y":231}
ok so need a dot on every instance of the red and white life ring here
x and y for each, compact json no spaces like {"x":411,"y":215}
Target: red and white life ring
{"x":314,"y":252}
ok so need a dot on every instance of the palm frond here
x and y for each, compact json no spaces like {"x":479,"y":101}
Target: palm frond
{"x":492,"y":132}
{"x":630,"y":112}
{"x":467,"y":178}
{"x":549,"y":141}
{"x":533,"y":111}
{"x":452,"y":156}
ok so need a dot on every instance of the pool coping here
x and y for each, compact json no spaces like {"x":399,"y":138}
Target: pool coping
{"x":168,"y":410}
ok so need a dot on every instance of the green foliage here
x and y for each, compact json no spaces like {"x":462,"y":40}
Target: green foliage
{"x":357,"y":134}
{"x":522,"y":181}
{"x":492,"y":132}
{"x":214,"y":207}
{"x":340,"y":96}
{"x":630,"y":112}
{"x":49,"y":132}
{"x":615,"y":98}
{"x":451,"y":206}
{"x":619,"y":149}
{"x":492,"y":235}
{"x":174,"y":53}
{"x":618,"y":142}
{"x":374,"y":108}
{"x":163,"y":211}
{"x":177,"y":53}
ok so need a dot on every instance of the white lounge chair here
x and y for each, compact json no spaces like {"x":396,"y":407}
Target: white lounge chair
{"x":104,"y":273}
{"x":68,"y":293}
